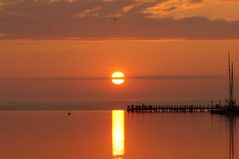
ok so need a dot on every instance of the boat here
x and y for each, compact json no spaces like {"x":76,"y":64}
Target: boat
{"x":230,"y":108}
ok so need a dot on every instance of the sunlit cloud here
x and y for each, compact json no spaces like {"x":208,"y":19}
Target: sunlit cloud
{"x":135,"y":4}
{"x":89,"y":12}
{"x":218,"y":19}
{"x":211,"y":9}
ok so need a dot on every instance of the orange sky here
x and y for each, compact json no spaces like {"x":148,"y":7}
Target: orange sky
{"x":66,"y":50}
{"x":68,"y":58}
{"x":166,"y":71}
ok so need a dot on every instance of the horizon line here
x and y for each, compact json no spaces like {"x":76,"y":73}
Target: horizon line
{"x":146,"y":77}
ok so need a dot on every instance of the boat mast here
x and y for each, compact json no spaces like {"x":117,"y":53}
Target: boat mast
{"x":230,"y":76}
{"x":229,"y":80}
{"x":232,"y":85}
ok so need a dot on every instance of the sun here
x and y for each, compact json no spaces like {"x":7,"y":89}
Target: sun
{"x":118,"y":78}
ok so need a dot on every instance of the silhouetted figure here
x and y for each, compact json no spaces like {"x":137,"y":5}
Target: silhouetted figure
{"x":69,"y":113}
{"x":128,"y":108}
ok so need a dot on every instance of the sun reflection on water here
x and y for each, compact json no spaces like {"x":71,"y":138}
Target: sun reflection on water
{"x":118,"y":133}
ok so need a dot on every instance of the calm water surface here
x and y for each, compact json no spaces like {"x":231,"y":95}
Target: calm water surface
{"x":116,"y":134}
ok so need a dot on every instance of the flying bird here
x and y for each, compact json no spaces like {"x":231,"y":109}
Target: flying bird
{"x":114,"y":17}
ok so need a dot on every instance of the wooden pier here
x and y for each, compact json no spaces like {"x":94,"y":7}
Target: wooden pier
{"x":230,"y":108}
{"x":171,"y":108}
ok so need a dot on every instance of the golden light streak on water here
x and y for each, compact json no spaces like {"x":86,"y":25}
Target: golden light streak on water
{"x":118,"y":141}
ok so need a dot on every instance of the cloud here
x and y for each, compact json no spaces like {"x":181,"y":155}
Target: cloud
{"x":2,"y":35}
{"x":211,"y":9}
{"x":135,"y":4}
{"x":89,"y":12}
{"x":139,"y":19}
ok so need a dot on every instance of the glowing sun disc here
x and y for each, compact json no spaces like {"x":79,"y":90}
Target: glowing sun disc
{"x":117,"y":75}
{"x":118,"y":78}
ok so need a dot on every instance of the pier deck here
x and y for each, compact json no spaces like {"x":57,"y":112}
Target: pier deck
{"x":171,"y":108}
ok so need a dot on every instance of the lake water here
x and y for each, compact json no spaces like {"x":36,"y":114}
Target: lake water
{"x":116,"y":134}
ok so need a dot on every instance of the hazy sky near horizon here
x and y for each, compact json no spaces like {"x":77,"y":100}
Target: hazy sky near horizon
{"x":66,"y":50}
{"x":79,"y":72}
